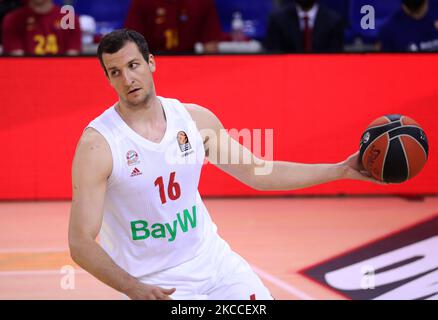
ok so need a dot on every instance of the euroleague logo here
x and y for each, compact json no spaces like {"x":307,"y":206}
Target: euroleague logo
{"x":183,"y":141}
{"x":365,"y":137}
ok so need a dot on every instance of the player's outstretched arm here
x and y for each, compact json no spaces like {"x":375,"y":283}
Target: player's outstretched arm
{"x":266,"y":174}
{"x":92,"y":165}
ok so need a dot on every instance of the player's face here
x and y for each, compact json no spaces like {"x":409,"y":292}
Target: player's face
{"x":130,"y":74}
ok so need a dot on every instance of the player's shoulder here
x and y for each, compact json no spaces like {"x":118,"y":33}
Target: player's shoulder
{"x":91,"y":134}
{"x":204,"y":117}
{"x":93,"y":153}
{"x":92,"y":140}
{"x":92,"y":157}
{"x":198,"y":110}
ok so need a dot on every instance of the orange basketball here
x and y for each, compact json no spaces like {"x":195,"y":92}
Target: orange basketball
{"x":394,"y":148}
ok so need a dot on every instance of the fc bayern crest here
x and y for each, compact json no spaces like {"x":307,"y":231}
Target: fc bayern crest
{"x":132,"y":157}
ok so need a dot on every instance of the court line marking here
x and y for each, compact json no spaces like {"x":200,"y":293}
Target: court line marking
{"x":282,"y":284}
{"x":37,"y":272}
{"x":263,"y":274}
{"x":33,"y":250}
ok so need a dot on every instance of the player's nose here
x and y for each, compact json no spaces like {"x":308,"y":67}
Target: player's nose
{"x":127,"y":79}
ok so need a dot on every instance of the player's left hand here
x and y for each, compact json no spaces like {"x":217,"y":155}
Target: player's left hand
{"x":352,"y":168}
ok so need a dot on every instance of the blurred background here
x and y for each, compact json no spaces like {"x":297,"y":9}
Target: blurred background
{"x":229,"y":26}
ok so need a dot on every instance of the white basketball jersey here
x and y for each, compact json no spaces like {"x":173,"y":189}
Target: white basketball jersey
{"x":154,"y":217}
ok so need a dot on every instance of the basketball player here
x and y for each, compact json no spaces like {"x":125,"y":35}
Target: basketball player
{"x":136,"y":185}
{"x":35,"y":29}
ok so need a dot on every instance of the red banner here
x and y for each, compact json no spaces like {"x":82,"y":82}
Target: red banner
{"x":316,"y":105}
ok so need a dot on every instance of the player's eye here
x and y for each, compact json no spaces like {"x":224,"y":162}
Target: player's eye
{"x":114,"y":73}
{"x":133,"y":65}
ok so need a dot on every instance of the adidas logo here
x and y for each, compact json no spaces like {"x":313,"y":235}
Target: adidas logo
{"x":135,"y":172}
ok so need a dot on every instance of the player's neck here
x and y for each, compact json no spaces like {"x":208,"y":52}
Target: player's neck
{"x":41,"y":8}
{"x":150,"y":113}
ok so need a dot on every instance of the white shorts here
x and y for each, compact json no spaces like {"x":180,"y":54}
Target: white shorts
{"x":216,"y":274}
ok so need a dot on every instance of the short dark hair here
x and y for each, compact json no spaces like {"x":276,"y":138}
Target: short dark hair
{"x":115,"y":40}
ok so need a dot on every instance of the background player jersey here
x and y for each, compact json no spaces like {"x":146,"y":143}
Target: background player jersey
{"x":39,"y":34}
{"x":154,"y":217}
{"x":174,"y":25}
{"x":403,"y":33}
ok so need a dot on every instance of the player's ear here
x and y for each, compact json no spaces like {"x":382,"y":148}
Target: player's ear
{"x":151,"y":63}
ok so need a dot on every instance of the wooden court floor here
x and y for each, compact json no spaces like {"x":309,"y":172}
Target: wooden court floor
{"x":277,"y":236}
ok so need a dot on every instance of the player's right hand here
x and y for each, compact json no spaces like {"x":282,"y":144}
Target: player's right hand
{"x":142,"y":291}
{"x":353,"y":169}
